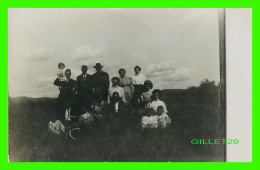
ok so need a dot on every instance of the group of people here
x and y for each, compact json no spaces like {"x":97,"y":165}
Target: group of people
{"x":90,"y":97}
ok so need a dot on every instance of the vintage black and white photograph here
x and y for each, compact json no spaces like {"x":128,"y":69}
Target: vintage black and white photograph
{"x":116,"y":84}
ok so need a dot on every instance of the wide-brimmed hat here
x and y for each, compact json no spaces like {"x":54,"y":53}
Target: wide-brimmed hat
{"x":98,"y":65}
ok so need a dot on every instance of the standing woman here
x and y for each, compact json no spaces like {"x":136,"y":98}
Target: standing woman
{"x":138,"y":81}
{"x":127,"y":84}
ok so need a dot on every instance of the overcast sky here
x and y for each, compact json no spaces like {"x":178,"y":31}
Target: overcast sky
{"x":176,"y":48}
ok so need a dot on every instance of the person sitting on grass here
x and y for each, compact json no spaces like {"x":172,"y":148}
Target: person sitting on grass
{"x":150,"y":120}
{"x":115,"y":88}
{"x":56,"y":127}
{"x":163,"y":118}
{"x":156,"y":101}
{"x":99,"y":107}
{"x":86,"y":119}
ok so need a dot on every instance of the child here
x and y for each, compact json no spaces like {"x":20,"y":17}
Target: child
{"x":86,"y":118}
{"x":163,"y":118}
{"x":150,"y":120}
{"x":56,"y":127}
{"x":61,"y":72}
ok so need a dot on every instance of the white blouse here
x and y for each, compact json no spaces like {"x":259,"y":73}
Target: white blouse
{"x":118,"y":89}
{"x":155,"y":104}
{"x":138,"y":79}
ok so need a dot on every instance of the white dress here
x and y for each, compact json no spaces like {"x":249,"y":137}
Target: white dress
{"x":150,"y":122}
{"x":155,"y":104}
{"x":164,"y":120}
{"x":61,"y":75}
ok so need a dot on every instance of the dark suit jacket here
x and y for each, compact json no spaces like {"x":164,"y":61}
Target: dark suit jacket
{"x":101,"y":79}
{"x":84,"y":86}
{"x":66,"y":89}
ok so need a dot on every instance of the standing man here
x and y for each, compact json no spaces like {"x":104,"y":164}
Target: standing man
{"x":66,"y":96}
{"x":84,"y":88}
{"x":100,"y":82}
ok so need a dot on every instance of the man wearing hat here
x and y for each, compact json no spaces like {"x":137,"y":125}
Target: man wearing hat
{"x":100,"y":82}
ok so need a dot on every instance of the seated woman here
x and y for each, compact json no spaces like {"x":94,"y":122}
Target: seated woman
{"x":156,"y":101}
{"x":127,"y":84}
{"x":115,"y":88}
{"x":99,"y":106}
{"x":146,"y":95}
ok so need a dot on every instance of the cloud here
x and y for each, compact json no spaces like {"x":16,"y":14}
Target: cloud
{"x":40,"y":54}
{"x":44,"y":82}
{"x":168,"y":72}
{"x":88,"y":52}
{"x":159,"y":67}
{"x":180,"y":74}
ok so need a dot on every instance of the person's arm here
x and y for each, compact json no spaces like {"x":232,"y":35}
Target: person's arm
{"x":144,"y":78}
{"x":107,"y":80}
{"x":131,"y":85}
{"x":76,"y":88}
{"x":57,"y":82}
{"x":164,"y":107}
{"x":108,"y":97}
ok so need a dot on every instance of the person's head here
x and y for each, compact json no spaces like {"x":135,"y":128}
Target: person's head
{"x":137,"y":69}
{"x":122,"y":72}
{"x":115,"y":81}
{"x":98,"y":67}
{"x":160,"y":110}
{"x":148,"y":85}
{"x":68,"y":73}
{"x":61,"y":66}
{"x":115,"y":97}
{"x":149,"y":112}
{"x":84,"y":69}
{"x":156,"y":94}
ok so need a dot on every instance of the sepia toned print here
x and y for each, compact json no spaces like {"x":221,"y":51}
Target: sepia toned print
{"x":116,"y":85}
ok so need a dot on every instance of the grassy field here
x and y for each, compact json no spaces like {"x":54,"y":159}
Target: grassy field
{"x":194,"y":113}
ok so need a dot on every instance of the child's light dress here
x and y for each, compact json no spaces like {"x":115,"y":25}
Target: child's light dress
{"x":164,"y":120}
{"x":149,"y":122}
{"x":56,"y":127}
